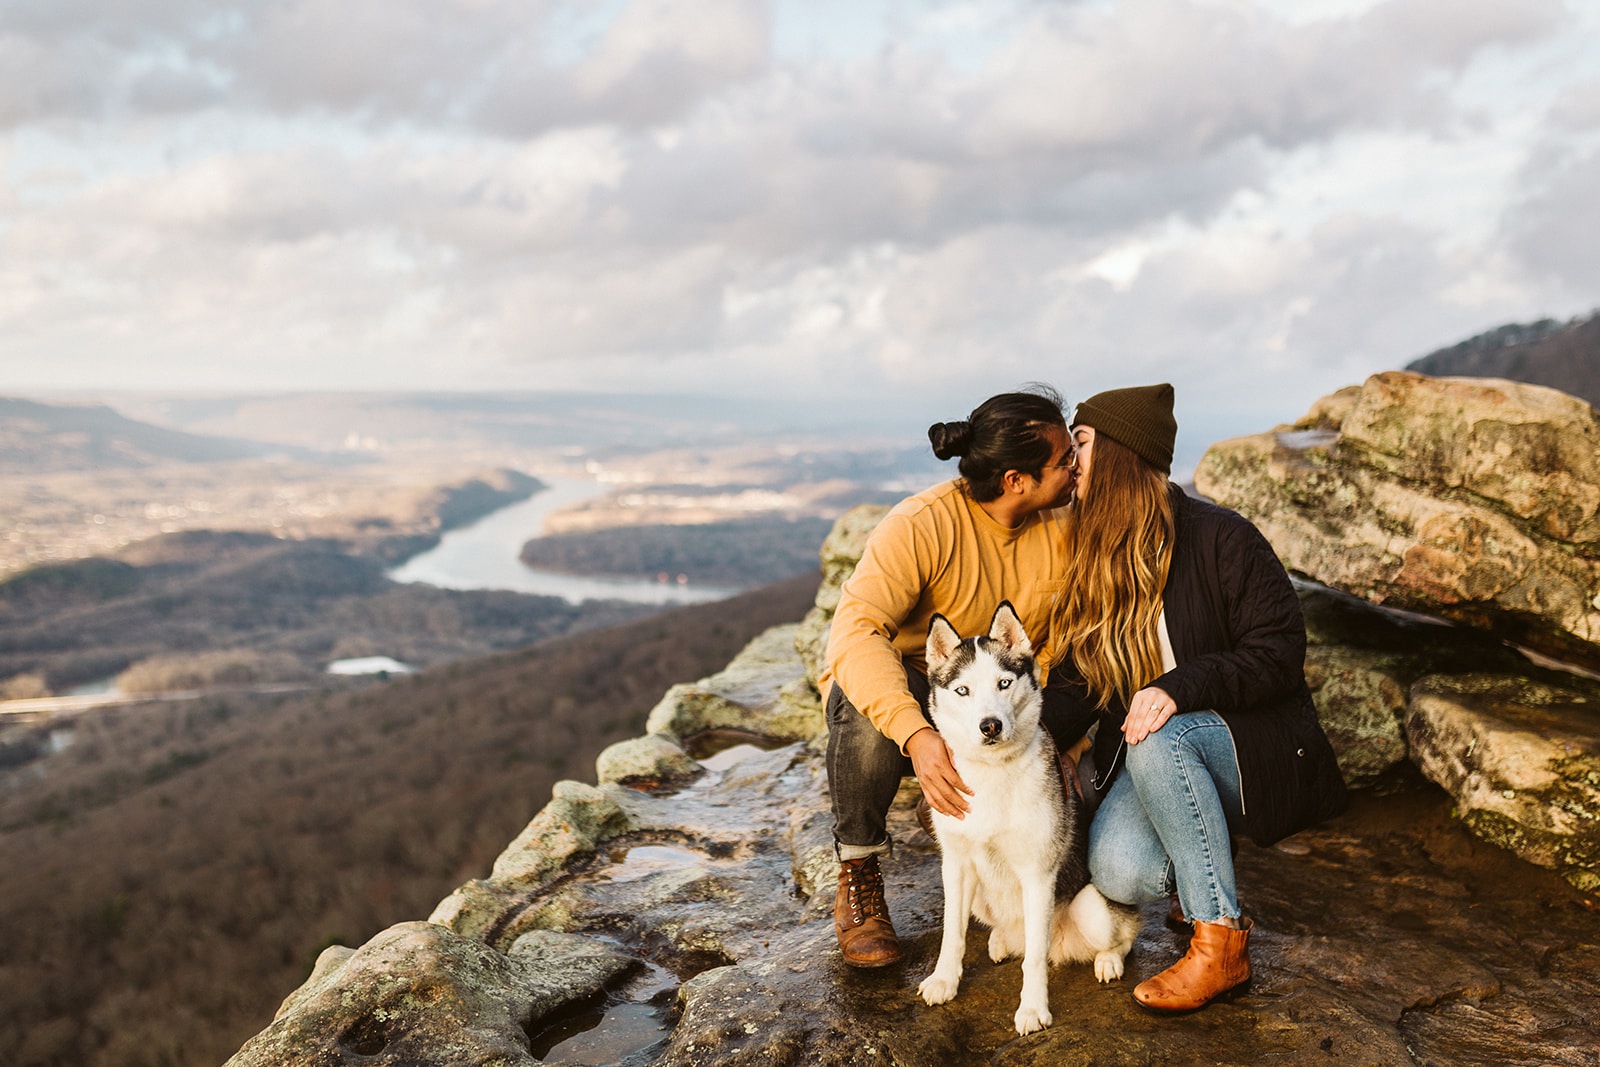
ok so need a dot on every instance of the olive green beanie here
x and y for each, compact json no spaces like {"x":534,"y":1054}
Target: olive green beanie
{"x":1139,"y":417}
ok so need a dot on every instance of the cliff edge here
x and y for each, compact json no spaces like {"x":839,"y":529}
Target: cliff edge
{"x":683,"y":902}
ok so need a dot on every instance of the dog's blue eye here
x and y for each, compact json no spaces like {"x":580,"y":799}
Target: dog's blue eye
{"x":961,"y":690}
{"x":1005,"y":683}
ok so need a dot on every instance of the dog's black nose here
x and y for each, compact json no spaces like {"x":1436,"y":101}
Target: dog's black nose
{"x":990,"y":728}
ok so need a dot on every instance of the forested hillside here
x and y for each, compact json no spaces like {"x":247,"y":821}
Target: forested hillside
{"x":302,"y":602}
{"x":171,"y":875}
{"x":1561,"y":355}
{"x":736,"y":554}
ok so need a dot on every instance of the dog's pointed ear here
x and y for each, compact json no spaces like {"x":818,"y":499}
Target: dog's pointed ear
{"x":942,"y":641}
{"x":1008,"y":629}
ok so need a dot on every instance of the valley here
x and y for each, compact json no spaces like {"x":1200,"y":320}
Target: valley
{"x":252,"y":538}
{"x":182,"y":857}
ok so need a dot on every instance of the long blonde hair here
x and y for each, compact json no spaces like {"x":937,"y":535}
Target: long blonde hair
{"x":1119,"y":546}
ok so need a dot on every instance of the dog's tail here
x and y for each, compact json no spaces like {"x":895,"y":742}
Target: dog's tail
{"x":1089,"y":924}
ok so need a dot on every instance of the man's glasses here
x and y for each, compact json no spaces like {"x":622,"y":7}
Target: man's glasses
{"x":1071,"y":458}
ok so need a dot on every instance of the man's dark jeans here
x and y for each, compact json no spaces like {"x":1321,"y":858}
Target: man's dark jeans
{"x":865,"y":767}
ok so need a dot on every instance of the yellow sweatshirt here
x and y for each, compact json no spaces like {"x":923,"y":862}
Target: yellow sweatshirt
{"x":936,"y":552}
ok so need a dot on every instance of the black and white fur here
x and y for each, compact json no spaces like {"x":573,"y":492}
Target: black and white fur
{"x":1019,"y":860}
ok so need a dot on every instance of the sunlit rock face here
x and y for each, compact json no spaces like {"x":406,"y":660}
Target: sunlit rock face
{"x":1522,"y":760}
{"x":1470,"y":499}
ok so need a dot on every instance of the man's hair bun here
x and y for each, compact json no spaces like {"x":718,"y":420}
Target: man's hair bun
{"x":950,"y":438}
{"x":1011,"y":431}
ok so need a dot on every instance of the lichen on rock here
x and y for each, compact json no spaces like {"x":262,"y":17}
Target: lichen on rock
{"x":1474,"y":500}
{"x":1521,"y":759}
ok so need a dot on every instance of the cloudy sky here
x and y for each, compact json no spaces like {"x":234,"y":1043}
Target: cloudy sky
{"x":909,"y":204}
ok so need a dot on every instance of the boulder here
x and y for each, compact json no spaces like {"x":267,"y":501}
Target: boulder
{"x":1521,"y":759}
{"x":418,"y":994}
{"x":1361,"y":701}
{"x":762,"y":692}
{"x":1361,"y":662}
{"x":841,"y":551}
{"x":651,"y":759}
{"x":578,"y":819}
{"x":1468,"y":499}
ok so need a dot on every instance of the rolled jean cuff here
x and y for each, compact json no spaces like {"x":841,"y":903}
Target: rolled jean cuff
{"x":857,"y":852}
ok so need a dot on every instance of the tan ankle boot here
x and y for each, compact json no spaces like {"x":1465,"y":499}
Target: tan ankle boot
{"x":861,"y":916}
{"x":1217,"y":963}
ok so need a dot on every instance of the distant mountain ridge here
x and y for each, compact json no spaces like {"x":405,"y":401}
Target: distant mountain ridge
{"x":1561,"y":355}
{"x":40,"y":438}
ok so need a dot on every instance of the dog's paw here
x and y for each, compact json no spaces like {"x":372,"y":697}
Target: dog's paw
{"x":1031,"y":1017}
{"x":939,"y":988}
{"x":999,"y":950}
{"x":1108,"y":966}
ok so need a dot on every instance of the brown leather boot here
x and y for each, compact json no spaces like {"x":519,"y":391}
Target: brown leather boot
{"x":1217,"y":964}
{"x":861,"y":917}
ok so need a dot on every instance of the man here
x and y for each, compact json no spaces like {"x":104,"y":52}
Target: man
{"x":959,"y":548}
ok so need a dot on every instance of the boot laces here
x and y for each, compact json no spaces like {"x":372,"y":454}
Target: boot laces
{"x":866,"y":889}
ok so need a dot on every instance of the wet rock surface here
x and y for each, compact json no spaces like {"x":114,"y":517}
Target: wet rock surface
{"x":1388,"y":937}
{"x":1389,"y":930}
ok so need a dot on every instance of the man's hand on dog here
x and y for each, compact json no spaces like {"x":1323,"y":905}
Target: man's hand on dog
{"x":930,"y":759}
{"x":1148,"y":712}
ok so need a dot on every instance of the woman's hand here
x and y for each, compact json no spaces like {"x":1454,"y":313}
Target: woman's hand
{"x":1148,"y":712}
{"x":930,"y":759}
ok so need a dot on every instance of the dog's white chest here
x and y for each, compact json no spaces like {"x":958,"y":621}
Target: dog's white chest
{"x":1012,"y":815}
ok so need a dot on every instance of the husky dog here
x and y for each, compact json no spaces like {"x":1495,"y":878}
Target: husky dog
{"x":1019,"y":860}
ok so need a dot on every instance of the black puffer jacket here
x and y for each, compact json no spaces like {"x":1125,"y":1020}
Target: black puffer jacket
{"x":1240,"y":646}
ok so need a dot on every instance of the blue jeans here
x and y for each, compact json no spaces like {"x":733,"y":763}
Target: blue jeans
{"x":1164,"y":823}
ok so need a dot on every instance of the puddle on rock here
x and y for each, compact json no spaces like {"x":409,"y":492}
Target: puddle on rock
{"x":605,"y":1037}
{"x":1300,"y":440}
{"x":630,"y":1021}
{"x":728,"y":757}
{"x":641,"y":861}
{"x":710,"y":746}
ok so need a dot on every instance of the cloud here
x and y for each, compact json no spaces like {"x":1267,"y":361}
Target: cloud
{"x":445,"y":190}
{"x":1550,"y":220}
{"x":1152,"y":81}
{"x":488,"y":64}
{"x":1551,"y":228}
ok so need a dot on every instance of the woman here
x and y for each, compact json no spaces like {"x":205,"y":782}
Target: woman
{"x":1188,"y":647}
